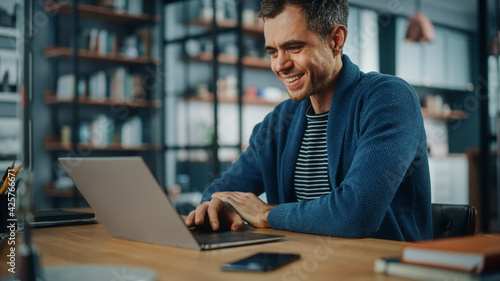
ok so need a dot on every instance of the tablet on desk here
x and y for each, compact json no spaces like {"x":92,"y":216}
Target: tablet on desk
{"x":59,"y":217}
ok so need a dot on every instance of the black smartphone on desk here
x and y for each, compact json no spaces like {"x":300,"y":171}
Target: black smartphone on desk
{"x":261,"y":262}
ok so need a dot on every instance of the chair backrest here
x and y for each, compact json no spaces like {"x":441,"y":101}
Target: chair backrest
{"x":451,"y":220}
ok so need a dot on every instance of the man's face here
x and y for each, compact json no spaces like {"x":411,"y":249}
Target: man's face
{"x":299,"y":57}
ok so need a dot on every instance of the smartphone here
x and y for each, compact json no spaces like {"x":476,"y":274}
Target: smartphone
{"x":261,"y":262}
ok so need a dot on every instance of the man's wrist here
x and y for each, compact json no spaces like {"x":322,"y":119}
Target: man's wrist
{"x":266,"y":214}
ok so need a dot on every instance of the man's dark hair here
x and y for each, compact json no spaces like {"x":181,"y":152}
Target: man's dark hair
{"x":321,"y":15}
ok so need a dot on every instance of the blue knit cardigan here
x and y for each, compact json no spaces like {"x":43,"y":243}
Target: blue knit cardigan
{"x":377,"y":163}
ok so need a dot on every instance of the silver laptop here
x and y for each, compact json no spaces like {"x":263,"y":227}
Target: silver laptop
{"x":130,"y":202}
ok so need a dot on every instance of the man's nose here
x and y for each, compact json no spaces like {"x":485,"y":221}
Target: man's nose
{"x":282,"y":63}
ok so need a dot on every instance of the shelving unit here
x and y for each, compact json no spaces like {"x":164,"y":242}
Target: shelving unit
{"x":101,"y":13}
{"x":80,"y":99}
{"x":67,"y":53}
{"x":50,"y":97}
{"x":10,"y":69}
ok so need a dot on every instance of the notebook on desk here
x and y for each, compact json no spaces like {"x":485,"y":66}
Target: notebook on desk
{"x":59,"y":217}
{"x":132,"y":205}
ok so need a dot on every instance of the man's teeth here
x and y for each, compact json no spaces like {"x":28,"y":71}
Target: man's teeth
{"x":290,"y":80}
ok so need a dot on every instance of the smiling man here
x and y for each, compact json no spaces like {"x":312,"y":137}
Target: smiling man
{"x":345,"y":156}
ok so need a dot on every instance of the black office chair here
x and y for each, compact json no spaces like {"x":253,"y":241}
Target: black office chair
{"x":452,"y":220}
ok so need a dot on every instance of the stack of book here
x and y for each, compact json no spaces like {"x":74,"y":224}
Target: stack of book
{"x":465,"y":258}
{"x":132,"y":132}
{"x":104,"y":42}
{"x":117,"y":83}
{"x":104,"y":131}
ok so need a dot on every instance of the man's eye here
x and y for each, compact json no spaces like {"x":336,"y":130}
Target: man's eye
{"x":271,"y":53}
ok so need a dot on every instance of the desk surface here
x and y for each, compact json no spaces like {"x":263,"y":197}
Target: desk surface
{"x":322,"y":258}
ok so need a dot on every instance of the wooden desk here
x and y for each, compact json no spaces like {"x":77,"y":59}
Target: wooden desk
{"x":322,"y":258}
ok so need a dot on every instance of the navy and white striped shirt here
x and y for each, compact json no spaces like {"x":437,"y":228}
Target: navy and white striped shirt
{"x":311,"y":170}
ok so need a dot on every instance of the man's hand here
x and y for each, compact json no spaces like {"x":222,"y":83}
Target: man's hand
{"x":215,"y":214}
{"x":248,"y":206}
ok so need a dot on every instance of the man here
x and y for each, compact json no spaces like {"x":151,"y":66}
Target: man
{"x":345,"y":156}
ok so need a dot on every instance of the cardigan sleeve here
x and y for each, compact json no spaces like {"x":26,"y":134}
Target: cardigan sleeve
{"x":246,"y":174}
{"x":390,"y":135}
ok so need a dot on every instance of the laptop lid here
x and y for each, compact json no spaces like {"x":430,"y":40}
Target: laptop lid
{"x":129,"y":201}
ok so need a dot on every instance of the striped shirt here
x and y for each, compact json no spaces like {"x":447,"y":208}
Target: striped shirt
{"x":311,"y":170}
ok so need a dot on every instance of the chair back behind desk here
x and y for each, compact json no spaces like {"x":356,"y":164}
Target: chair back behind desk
{"x":322,"y":258}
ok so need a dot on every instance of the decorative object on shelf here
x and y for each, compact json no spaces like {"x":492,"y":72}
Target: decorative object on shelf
{"x":66,"y":135}
{"x":8,"y":70}
{"x":420,"y":28}
{"x":272,"y":94}
{"x":102,"y":131}
{"x":227,"y":87}
{"x":437,"y":137}
{"x":7,"y":19}
{"x":10,"y":136}
{"x":132,"y":132}
{"x":63,"y":183}
{"x":251,"y":49}
{"x":5,"y":83}
{"x":202,"y":91}
{"x":249,"y":17}
{"x":193,"y":47}
{"x":230,"y":49}
{"x":434,"y":107}
{"x":84,"y":132}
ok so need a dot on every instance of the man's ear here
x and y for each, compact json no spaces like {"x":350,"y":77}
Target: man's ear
{"x":338,"y":37}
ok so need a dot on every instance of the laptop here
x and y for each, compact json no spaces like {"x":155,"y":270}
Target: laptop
{"x":132,"y":205}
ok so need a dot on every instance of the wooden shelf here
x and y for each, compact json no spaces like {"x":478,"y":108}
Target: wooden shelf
{"x":51,"y":191}
{"x":206,"y":22}
{"x":101,"y":13}
{"x":248,"y":100}
{"x":54,"y":143}
{"x":251,"y":62}
{"x":66,"y":52}
{"x":255,"y":29}
{"x":50,"y":97}
{"x":454,"y":114}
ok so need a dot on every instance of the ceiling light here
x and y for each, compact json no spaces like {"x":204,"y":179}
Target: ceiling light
{"x":420,"y":28}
